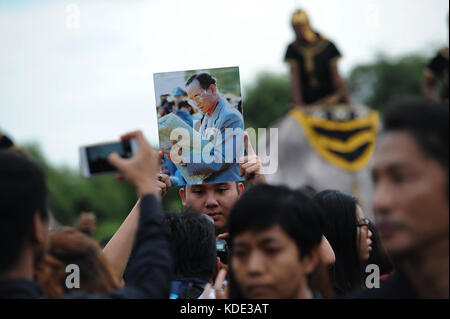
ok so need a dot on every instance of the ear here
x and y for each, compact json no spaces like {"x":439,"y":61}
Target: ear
{"x":212,"y":87}
{"x":327,"y":255}
{"x":240,"y":189}
{"x":182,"y":196}
{"x":310,"y":261}
{"x":39,"y":230}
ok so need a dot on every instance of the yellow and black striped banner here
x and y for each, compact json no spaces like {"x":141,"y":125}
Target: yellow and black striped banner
{"x":347,"y":144}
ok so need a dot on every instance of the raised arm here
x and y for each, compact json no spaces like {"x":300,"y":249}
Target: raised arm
{"x":118,"y":249}
{"x":150,"y":272}
{"x":142,"y":231}
{"x":339,"y":82}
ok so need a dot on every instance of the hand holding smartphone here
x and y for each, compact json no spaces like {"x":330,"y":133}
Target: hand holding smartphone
{"x":94,"y":158}
{"x":132,"y":158}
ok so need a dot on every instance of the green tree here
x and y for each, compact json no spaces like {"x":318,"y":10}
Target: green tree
{"x":70,"y":193}
{"x":387,"y":79}
{"x":171,"y":201}
{"x":267,"y":99}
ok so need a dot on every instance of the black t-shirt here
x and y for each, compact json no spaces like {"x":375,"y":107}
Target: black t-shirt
{"x":396,"y":286}
{"x":439,"y":67}
{"x":313,"y":61}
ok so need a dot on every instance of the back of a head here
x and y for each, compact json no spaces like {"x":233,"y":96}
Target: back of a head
{"x":307,"y":190}
{"x":339,"y":216}
{"x":264,"y":206}
{"x":71,"y":247}
{"x":23,"y":193}
{"x":5,"y":141}
{"x":426,"y":121}
{"x":193,"y":244}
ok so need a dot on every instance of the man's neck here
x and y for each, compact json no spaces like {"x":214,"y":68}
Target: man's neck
{"x":211,"y":111}
{"x":304,"y":291}
{"x":24,"y":268}
{"x":428,"y":271}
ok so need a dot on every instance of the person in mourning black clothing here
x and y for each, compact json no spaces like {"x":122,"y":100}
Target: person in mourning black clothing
{"x":410,"y":176}
{"x":437,"y":70}
{"x":313,"y":66}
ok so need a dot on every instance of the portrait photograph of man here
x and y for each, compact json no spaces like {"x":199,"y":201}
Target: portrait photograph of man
{"x":200,"y":125}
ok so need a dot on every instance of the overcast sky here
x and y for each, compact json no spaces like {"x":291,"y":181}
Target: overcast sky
{"x":80,"y":72}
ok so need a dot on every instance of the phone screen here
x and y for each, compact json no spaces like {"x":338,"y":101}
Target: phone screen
{"x":97,"y":155}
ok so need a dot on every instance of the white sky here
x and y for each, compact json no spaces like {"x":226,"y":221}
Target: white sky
{"x":80,"y":72}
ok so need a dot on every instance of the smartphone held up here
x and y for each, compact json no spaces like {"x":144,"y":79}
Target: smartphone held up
{"x":94,"y":158}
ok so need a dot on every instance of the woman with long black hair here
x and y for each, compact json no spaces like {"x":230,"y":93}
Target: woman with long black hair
{"x":348,"y":233}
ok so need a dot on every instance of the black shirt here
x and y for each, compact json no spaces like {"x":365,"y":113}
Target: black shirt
{"x":148,"y":273}
{"x":439,"y":67}
{"x":396,"y":286}
{"x":313,"y":61}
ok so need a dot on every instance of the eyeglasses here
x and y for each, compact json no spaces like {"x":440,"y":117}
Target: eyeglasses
{"x":364,"y":222}
{"x":199,"y":97}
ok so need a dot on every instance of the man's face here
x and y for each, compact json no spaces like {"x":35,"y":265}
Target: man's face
{"x":363,"y":235}
{"x":299,"y":29}
{"x":205,"y":100}
{"x":215,"y":200}
{"x":266,"y":264}
{"x":410,"y":198}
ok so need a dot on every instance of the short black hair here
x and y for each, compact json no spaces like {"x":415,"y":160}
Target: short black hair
{"x":5,"y":141}
{"x":426,"y":121}
{"x":308,"y":190}
{"x":264,"y":206}
{"x":205,"y":80}
{"x":192,"y":240}
{"x":23,"y":192}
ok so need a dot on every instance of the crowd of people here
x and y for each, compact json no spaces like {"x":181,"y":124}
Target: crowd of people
{"x":275,"y":242}
{"x":265,"y":242}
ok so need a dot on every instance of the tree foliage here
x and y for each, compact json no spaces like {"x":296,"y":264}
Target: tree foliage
{"x":267,"y":99}
{"x":387,"y":79}
{"x":70,"y":194}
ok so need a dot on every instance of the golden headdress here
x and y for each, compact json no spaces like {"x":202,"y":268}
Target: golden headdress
{"x":300,"y":17}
